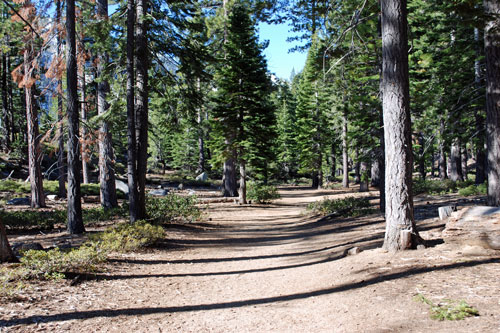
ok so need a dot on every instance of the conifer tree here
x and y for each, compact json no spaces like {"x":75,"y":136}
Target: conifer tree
{"x":243,"y":108}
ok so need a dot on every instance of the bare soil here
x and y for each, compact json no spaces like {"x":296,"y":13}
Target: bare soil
{"x":272,"y":268}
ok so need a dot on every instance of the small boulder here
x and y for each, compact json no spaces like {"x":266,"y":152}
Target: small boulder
{"x":121,"y":186}
{"x":158,"y":192}
{"x":445,"y":211}
{"x":353,"y":251}
{"x":180,"y":187}
{"x":19,"y":202}
{"x":202,"y":177}
{"x":52,"y":197}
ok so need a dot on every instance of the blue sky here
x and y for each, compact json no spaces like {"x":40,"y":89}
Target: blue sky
{"x":279,"y":61}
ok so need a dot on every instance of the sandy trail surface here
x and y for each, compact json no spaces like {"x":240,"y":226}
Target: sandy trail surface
{"x":271,"y":268}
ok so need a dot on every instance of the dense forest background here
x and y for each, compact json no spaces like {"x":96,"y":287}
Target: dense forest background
{"x":183,"y":85}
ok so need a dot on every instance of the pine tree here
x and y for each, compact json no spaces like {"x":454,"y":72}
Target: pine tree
{"x":243,"y":110}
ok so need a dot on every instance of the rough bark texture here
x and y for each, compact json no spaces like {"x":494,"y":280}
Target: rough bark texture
{"x":464,"y":153}
{"x":141,"y":110}
{"x":442,"y":153}
{"x":131,"y":139}
{"x":83,"y":129}
{"x":243,"y":184}
{"x":6,"y":253}
{"x":106,"y":161}
{"x":492,"y":51}
{"x":455,"y":162}
{"x":61,"y":166}
{"x":400,"y":231}
{"x":34,"y":153}
{"x":229,"y":179}
{"x":345,"y":157}
{"x":479,"y":116}
{"x":5,"y":105}
{"x":75,"y":222}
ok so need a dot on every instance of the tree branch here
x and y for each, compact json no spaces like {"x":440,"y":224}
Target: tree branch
{"x":22,"y":18}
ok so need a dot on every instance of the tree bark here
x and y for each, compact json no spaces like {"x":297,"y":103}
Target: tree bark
{"x":333,"y":168}
{"x":421,"y":156}
{"x":34,"y":154}
{"x":442,"y":153}
{"x":455,"y":162}
{"x":6,"y":254}
{"x":464,"y":157}
{"x":492,"y":51}
{"x":107,"y":184}
{"x":83,"y":129}
{"x":401,"y":232}
{"x":131,"y":138}
{"x":5,"y":105}
{"x":229,"y":179}
{"x":61,"y":167}
{"x":345,"y":157}
{"x":479,"y":118}
{"x":243,"y":184}
{"x":75,"y":221}
{"x":141,"y":110}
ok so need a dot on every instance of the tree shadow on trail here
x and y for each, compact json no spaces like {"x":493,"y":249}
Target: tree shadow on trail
{"x":111,"y":313}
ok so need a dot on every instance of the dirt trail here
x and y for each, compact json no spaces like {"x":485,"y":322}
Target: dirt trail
{"x":271,"y":269}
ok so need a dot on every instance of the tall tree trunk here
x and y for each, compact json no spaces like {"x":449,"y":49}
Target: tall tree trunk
{"x":442,"y":153}
{"x":479,"y":117}
{"x":131,"y":138}
{"x":421,"y":156}
{"x":333,"y":168}
{"x":364,"y":181}
{"x":142,"y":64}
{"x":75,"y":221}
{"x":492,"y":51}
{"x":465,"y":158}
{"x":357,"y":165}
{"x":455,"y":162}
{"x":345,"y":157}
{"x":229,"y":179}
{"x":401,"y":232}
{"x":61,"y":167}
{"x":201,"y":144}
{"x":5,"y":105}
{"x":6,"y":253}
{"x":107,"y":184}
{"x":243,"y":183}
{"x":34,"y":154}
{"x":83,"y":129}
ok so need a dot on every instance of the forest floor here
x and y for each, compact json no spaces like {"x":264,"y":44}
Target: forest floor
{"x":272,"y":268}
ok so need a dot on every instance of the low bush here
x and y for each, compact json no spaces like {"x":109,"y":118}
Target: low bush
{"x":32,"y":219}
{"x":262,"y":193}
{"x":172,"y":208}
{"x":473,"y":190}
{"x":346,"y":207}
{"x":438,"y":187}
{"x":53,"y":264}
{"x":448,"y":309}
{"x":128,"y":237}
{"x":100,"y":214}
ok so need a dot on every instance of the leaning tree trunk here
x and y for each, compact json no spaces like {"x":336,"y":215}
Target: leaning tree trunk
{"x":345,"y":157}
{"x":106,"y":165}
{"x":75,"y":221}
{"x":131,"y":138}
{"x":400,"y":233}
{"x":142,"y":105}
{"x":492,"y":51}
{"x":35,"y":171}
{"x":6,"y":253}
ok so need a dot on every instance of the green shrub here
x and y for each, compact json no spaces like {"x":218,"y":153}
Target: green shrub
{"x":53,"y":264}
{"x":32,"y":219}
{"x":129,"y":237}
{"x":99,"y":214}
{"x":438,"y":187}
{"x":172,"y":208}
{"x":449,"y":309}
{"x":348,"y":206}
{"x":262,"y":193}
{"x":14,"y":186}
{"x":473,"y":190}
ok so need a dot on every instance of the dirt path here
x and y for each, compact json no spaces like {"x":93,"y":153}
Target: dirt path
{"x":271,"y":269}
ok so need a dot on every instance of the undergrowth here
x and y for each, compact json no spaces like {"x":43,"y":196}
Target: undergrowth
{"x":172,"y":208}
{"x":439,"y":187}
{"x":449,"y":309}
{"x":346,"y":207}
{"x":262,"y":193}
